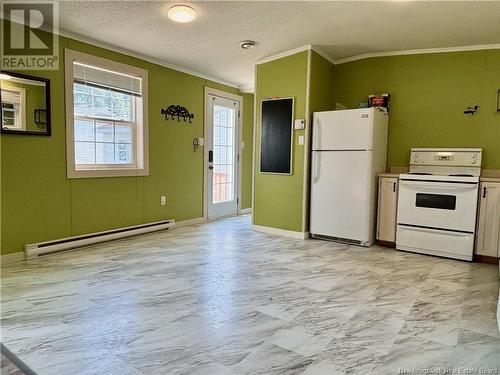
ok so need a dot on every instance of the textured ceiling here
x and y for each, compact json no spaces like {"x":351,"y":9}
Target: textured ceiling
{"x":210,"y":44}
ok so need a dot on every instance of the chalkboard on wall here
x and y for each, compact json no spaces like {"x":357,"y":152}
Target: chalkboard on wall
{"x":276,"y":136}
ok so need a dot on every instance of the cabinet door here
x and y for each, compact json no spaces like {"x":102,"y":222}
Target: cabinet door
{"x":488,"y":230}
{"x":387,"y":209}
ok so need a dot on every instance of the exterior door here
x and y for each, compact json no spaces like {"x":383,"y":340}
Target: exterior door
{"x":222,"y":142}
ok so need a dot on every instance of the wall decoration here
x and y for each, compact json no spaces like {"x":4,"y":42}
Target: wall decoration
{"x":471,"y":110}
{"x":177,"y":111}
{"x":24,"y":104}
{"x":276,"y":136}
{"x":381,"y":101}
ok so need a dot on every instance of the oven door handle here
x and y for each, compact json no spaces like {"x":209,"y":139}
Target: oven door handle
{"x":449,"y":232}
{"x":444,"y":185}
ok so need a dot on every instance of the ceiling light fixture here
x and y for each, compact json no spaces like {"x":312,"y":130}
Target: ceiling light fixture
{"x":5,"y":76}
{"x":181,"y":13}
{"x":247,"y":44}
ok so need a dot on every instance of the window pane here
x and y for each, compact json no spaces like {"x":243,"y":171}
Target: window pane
{"x":123,"y":134}
{"x":119,"y":95}
{"x":229,"y":155}
{"x":104,"y":153}
{"x":84,"y":130}
{"x":82,"y":104}
{"x":82,"y":88}
{"x":84,"y":153}
{"x":100,"y":92}
{"x":123,"y":153}
{"x":122,"y":109}
{"x":102,"y":106}
{"x":229,"y":173}
{"x":104,"y":131}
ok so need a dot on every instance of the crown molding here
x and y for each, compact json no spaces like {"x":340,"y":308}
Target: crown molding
{"x":127,"y":52}
{"x":306,"y":47}
{"x":477,"y":47}
{"x":247,"y":89}
{"x":280,"y":55}
{"x":323,"y":54}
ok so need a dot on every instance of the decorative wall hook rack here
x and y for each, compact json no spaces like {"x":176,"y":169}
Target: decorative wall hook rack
{"x":470,"y":110}
{"x":177,"y":111}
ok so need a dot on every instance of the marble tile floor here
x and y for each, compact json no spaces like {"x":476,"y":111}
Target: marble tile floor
{"x":219,"y":298}
{"x":7,"y":367}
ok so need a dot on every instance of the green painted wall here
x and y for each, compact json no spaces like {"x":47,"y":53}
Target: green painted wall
{"x":428,"y":94}
{"x":321,"y":98}
{"x":278,"y":198}
{"x":39,"y":203}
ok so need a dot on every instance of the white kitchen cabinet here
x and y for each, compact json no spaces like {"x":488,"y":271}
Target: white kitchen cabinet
{"x":488,"y":230}
{"x":387,"y":209}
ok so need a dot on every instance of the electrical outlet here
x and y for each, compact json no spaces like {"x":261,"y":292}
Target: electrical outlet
{"x":163,"y":200}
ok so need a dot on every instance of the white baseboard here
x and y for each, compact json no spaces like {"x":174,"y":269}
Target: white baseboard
{"x":12,"y":258}
{"x":188,"y":222}
{"x":281,"y":232}
{"x":245,"y":211}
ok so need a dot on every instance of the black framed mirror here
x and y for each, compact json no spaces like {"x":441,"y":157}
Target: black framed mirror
{"x":25,"y":104}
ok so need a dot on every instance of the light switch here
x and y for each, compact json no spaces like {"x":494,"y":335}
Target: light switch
{"x":301,"y":140}
{"x":299,"y":124}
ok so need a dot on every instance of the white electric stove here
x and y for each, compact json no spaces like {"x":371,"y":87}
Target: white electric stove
{"x":437,"y":202}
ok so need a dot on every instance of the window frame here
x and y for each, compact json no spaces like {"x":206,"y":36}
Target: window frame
{"x":140,"y":136}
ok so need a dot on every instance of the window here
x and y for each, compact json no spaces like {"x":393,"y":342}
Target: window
{"x":106,"y":126}
{"x":224,"y":122}
{"x":13,"y":108}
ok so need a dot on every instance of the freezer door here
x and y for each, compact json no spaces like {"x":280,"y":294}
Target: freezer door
{"x":340,"y":195}
{"x":343,"y":130}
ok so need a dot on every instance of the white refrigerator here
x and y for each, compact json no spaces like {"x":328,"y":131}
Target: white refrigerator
{"x":349,"y":150}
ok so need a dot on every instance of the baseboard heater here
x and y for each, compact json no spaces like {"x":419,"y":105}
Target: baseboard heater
{"x":42,"y":248}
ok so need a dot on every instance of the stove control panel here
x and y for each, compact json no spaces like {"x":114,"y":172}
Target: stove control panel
{"x":446,"y":161}
{"x":459,"y":157}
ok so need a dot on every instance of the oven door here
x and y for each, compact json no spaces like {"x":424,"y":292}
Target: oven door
{"x":436,"y":204}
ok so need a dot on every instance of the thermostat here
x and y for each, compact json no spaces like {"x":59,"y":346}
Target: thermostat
{"x":299,"y":124}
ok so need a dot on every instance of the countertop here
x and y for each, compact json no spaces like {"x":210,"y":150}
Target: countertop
{"x":396,"y":175}
{"x":490,"y":179}
{"x":391,"y":175}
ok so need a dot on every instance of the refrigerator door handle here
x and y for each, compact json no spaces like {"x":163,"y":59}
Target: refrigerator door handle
{"x":316,"y":166}
{"x":317,"y":134}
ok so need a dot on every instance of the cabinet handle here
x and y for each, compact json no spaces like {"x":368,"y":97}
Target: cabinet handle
{"x":484,"y":192}
{"x":393,"y":187}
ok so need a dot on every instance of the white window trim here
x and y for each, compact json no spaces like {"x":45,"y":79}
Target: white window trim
{"x":20,"y":116}
{"x":141,"y":144}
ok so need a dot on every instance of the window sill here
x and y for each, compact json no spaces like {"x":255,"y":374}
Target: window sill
{"x":101,"y":173}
